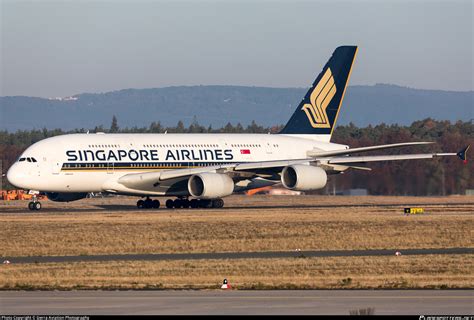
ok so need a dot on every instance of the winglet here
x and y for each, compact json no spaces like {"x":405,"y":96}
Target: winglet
{"x":463,"y":154}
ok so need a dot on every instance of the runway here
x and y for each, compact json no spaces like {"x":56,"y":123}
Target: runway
{"x":391,"y":302}
{"x":54,"y":208}
{"x":237,"y":255}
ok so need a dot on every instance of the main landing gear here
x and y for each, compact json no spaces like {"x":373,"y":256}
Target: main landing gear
{"x":181,"y":203}
{"x":35,"y":204}
{"x":194,"y":203}
{"x":148,"y":204}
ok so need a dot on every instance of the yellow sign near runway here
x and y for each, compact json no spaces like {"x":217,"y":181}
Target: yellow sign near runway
{"x":414,"y":210}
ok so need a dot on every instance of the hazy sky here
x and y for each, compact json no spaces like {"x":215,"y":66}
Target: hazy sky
{"x":62,"y":48}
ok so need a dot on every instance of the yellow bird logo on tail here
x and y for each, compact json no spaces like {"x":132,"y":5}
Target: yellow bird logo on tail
{"x":319,"y":101}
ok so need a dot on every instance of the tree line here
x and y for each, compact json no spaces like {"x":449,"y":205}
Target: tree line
{"x":440,"y":176}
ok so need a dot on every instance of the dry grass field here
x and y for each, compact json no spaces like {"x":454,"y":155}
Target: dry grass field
{"x":97,"y":226}
{"x":433,"y":271}
{"x":258,"y":223}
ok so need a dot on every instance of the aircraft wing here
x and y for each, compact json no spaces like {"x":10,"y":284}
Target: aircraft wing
{"x":350,"y":160}
{"x":328,"y":158}
{"x":361,"y":159}
{"x":266,"y":168}
{"x":315,"y":153}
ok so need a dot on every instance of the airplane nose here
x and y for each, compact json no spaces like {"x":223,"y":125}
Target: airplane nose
{"x":15,"y":176}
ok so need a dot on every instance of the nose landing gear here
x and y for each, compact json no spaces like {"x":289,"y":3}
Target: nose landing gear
{"x":35,"y":204}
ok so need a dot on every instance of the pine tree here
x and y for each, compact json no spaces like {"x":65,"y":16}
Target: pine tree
{"x":114,"y":126}
{"x":180,"y":127}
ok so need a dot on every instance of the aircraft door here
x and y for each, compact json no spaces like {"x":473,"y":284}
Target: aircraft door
{"x":223,"y":145}
{"x":187,"y":164}
{"x":56,"y":169}
{"x":110,"y":167}
{"x":268,"y":146}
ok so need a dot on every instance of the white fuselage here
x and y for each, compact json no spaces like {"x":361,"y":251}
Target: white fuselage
{"x":90,"y":162}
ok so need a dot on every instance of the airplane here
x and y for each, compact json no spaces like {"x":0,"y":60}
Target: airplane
{"x":198,"y":170}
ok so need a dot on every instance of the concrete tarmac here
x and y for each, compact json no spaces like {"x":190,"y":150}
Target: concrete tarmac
{"x":392,"y":302}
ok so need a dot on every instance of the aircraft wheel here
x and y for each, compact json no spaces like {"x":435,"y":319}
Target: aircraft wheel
{"x":156,"y":204}
{"x":148,"y":203}
{"x":217,"y":203}
{"x":177,"y":203}
{"x":185,"y":203}
{"x":31,"y":205}
{"x":169,"y":204}
{"x":37,"y":206}
{"x":194,"y":203}
{"x":140,"y":204}
{"x":204,"y":203}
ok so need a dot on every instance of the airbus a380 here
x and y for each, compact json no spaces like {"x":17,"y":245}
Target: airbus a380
{"x":198,"y":170}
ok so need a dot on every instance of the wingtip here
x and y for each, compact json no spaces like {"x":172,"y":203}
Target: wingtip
{"x":463,"y":154}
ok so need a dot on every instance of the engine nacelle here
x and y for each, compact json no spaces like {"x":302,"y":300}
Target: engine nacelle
{"x":209,"y":185}
{"x":66,"y":196}
{"x":303,"y":177}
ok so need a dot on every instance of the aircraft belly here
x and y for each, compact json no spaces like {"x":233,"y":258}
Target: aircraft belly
{"x":249,"y":184}
{"x":177,"y":187}
{"x":78,"y":182}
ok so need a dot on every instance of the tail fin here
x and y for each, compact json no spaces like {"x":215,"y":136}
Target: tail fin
{"x":317,"y":113}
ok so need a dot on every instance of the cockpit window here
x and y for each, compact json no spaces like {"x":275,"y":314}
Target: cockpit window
{"x":29,"y":159}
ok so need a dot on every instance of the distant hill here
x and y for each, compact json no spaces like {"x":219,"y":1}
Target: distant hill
{"x":217,"y":105}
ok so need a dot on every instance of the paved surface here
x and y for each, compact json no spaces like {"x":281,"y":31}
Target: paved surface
{"x":417,"y":302}
{"x":237,"y":255}
{"x":55,"y":209}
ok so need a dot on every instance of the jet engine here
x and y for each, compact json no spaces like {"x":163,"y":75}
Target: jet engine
{"x":65,"y":197}
{"x":303,"y":177}
{"x":210,"y":185}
